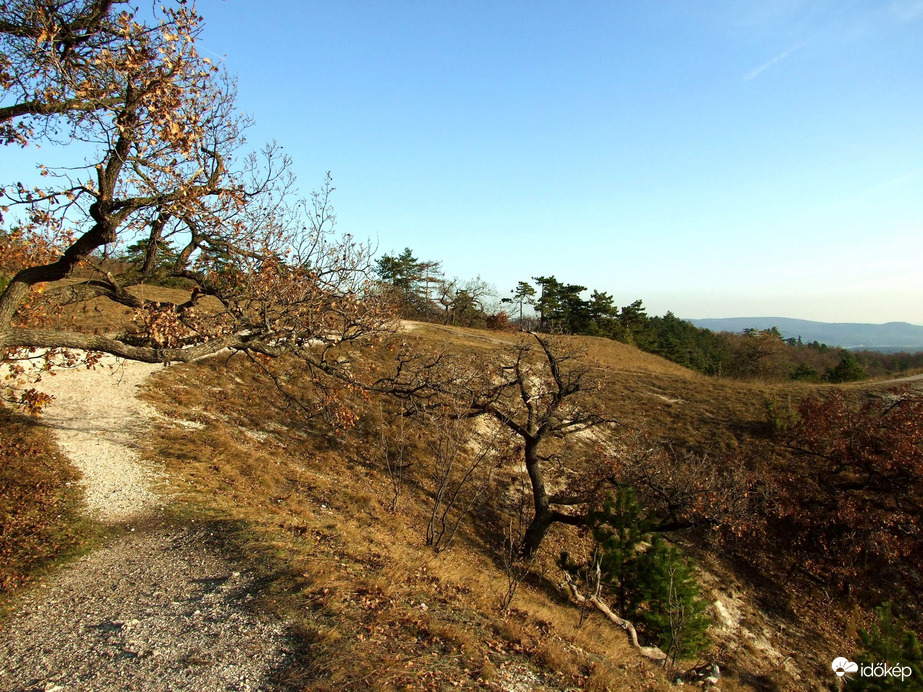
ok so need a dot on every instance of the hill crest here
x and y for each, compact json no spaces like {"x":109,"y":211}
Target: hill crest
{"x":854,"y":335}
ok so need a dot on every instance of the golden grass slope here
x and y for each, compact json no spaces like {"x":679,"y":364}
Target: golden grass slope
{"x":375,"y":606}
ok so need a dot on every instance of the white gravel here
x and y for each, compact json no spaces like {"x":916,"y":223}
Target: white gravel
{"x":158,"y":608}
{"x":96,"y":418}
{"x":155,"y":610}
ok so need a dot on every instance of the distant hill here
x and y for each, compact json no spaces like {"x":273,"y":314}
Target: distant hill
{"x":892,"y":336}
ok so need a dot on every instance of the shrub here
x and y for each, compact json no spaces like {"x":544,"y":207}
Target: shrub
{"x":500,"y":322}
{"x":849,"y":498}
{"x":782,"y":416}
{"x":889,"y":641}
{"x":651,"y":581}
{"x":847,"y":370}
{"x":805,"y":373}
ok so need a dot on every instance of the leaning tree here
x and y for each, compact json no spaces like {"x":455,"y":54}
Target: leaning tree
{"x":157,"y":143}
{"x":546,"y":395}
{"x":540,"y":391}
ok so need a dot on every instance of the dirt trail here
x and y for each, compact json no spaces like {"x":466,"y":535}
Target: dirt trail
{"x":909,"y":381}
{"x":96,"y":419}
{"x":158,"y":608}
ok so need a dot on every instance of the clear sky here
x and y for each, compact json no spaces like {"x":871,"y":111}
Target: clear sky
{"x":713,"y":158}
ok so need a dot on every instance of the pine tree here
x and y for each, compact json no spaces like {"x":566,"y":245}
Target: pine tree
{"x":650,"y":581}
{"x":402,"y":271}
{"x":847,"y":370}
{"x":523,"y":294}
{"x":674,"y":611}
{"x":548,"y":304}
{"x":620,"y":529}
{"x":889,"y":641}
{"x":602,"y":311}
{"x":412,"y":279}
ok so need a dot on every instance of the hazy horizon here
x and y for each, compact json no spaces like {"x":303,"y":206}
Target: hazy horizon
{"x":784,"y":317}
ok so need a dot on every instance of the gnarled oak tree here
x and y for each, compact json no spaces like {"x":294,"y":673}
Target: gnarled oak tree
{"x":535,"y":389}
{"x":159,"y":128}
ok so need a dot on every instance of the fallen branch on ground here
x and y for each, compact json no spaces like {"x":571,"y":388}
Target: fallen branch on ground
{"x":651,"y":652}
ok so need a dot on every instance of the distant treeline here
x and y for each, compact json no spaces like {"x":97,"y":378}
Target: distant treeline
{"x":424,"y":294}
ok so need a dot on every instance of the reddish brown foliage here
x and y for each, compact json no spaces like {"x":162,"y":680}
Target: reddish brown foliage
{"x":684,"y":489}
{"x":37,"y":495}
{"x":267,"y":273}
{"x":500,"y":322}
{"x":851,"y":504}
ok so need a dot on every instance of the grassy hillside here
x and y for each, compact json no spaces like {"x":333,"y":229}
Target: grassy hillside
{"x":373,"y":606}
{"x":651,"y":393}
{"x":377,"y":606}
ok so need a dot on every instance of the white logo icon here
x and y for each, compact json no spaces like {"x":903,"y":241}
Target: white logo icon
{"x":841,"y":666}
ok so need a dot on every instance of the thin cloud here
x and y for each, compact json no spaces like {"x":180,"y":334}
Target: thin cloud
{"x":871,"y":191}
{"x":766,"y":65}
{"x":892,"y":182}
{"x":907,"y":10}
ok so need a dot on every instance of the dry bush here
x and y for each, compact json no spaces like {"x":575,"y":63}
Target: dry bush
{"x":463,"y":464}
{"x":500,"y":322}
{"x":394,"y":450}
{"x":39,"y":503}
{"x":684,"y":489}
{"x":515,"y":567}
{"x":353,"y":576}
{"x":850,"y":492}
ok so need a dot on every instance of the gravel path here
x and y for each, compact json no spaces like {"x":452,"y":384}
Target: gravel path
{"x":159,"y":607}
{"x":910,"y":381}
{"x":96,"y":418}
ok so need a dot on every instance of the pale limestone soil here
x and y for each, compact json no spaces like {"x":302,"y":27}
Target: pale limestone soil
{"x":96,"y":419}
{"x":158,"y":608}
{"x":915,"y":381}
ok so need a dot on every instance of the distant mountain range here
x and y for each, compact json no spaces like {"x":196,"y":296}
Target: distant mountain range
{"x":892,"y":336}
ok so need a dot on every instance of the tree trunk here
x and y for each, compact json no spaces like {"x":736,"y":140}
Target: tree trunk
{"x":535,"y":533}
{"x":543,"y":518}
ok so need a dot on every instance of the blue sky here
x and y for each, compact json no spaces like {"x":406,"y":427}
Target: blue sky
{"x":714,"y":158}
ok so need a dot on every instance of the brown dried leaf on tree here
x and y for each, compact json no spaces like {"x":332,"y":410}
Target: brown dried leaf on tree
{"x":268,"y":275}
{"x":851,"y":490}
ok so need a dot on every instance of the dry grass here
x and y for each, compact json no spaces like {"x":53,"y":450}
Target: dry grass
{"x":375,"y":607}
{"x":309,"y":504}
{"x":40,"y":523}
{"x":650,"y":393}
{"x":103,"y":316}
{"x":354,"y":577}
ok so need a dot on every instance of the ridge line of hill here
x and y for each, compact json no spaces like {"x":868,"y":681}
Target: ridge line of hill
{"x":853,"y":335}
